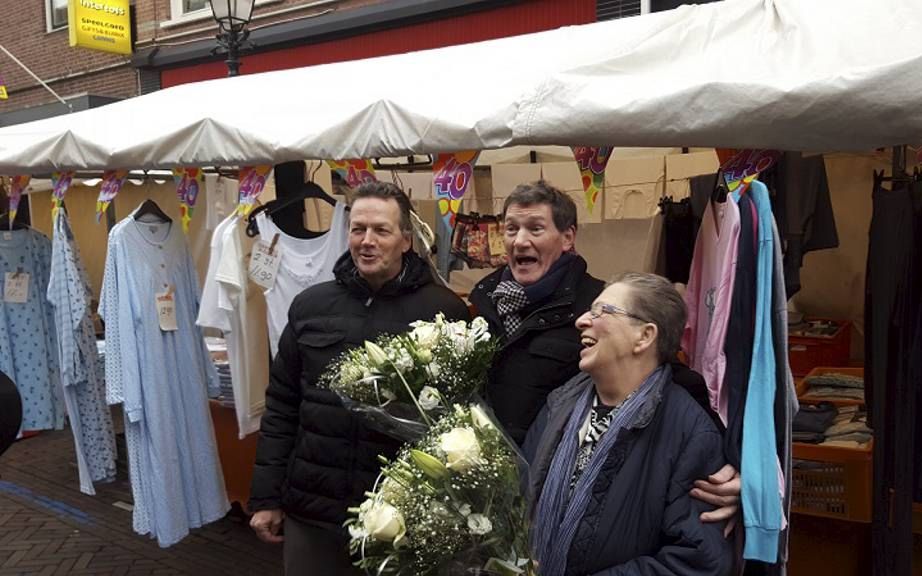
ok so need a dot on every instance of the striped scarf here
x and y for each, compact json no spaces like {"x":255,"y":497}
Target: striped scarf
{"x":558,"y":512}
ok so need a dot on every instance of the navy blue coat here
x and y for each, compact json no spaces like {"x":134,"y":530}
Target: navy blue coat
{"x":641,"y":519}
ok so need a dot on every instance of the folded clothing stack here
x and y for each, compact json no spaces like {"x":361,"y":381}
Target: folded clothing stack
{"x":825,"y":424}
{"x":217,"y":348}
{"x":835,"y":385}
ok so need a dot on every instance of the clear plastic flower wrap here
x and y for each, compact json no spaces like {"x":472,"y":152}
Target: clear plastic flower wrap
{"x":401,"y":383}
{"x":451,"y":504}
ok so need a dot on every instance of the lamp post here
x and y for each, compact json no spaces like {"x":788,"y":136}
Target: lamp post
{"x":232,"y":17}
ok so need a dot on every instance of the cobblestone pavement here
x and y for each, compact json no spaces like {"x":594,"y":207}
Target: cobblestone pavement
{"x":47,"y":527}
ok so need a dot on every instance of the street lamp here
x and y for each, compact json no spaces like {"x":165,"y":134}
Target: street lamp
{"x":232,"y":17}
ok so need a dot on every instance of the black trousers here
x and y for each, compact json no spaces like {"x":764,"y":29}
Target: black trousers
{"x":313,"y":551}
{"x":893,"y":332}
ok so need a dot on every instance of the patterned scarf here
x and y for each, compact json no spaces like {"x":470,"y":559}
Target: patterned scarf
{"x":600,"y":420}
{"x":559,"y":512}
{"x":510,"y":297}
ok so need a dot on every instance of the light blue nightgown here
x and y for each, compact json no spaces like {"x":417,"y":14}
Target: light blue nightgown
{"x":81,"y":373}
{"x":28,"y":346}
{"x":161,"y":378}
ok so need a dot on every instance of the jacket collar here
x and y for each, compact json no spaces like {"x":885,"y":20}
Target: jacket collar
{"x":565,"y":398}
{"x":563,"y":295}
{"x":414,"y":274}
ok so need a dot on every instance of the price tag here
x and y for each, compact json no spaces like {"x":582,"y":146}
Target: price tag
{"x":7,"y":236}
{"x":166,"y":310}
{"x":497,"y":247}
{"x":264,"y":263}
{"x":16,"y":287}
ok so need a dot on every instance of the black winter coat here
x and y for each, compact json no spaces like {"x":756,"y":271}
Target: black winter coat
{"x":314,"y":458}
{"x":543,"y":355}
{"x":641,"y":518}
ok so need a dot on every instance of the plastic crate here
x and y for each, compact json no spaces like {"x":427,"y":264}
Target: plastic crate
{"x":807,"y":352}
{"x":802,"y":387}
{"x":836,"y":485}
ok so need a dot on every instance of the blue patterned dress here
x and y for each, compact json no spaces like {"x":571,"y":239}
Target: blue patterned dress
{"x":161,"y":378}
{"x":81,"y":373}
{"x":28,"y":346}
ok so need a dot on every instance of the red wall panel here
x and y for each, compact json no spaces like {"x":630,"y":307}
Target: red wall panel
{"x":521,"y":18}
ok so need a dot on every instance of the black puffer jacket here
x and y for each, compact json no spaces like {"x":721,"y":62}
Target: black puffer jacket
{"x":641,"y":518}
{"x":545,"y":352}
{"x":314,"y":458}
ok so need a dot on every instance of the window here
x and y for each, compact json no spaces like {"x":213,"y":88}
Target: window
{"x":193,"y":5}
{"x":57,"y":14}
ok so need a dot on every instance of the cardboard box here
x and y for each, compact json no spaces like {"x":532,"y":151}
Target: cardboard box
{"x":507,"y":176}
{"x":681,"y":167}
{"x":633,"y":187}
{"x":566,"y":177}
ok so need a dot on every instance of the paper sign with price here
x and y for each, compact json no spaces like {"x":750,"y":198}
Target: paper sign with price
{"x":16,"y":287}
{"x":264,"y":263}
{"x":166,"y":310}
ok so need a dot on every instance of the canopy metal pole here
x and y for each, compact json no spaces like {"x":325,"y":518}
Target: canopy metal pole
{"x":70,"y":107}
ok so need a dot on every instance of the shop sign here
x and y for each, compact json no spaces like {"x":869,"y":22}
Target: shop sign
{"x":3,"y":94}
{"x":103,"y":25}
{"x":452,"y":174}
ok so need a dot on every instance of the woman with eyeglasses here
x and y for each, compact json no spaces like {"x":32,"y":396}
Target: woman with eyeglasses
{"x":616,"y":450}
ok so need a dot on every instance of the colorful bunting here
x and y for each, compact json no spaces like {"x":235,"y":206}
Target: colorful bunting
{"x":60,"y":182}
{"x":452,"y":174}
{"x":354,"y":172}
{"x":112,"y":182}
{"x":592,"y":161}
{"x":189,"y":183}
{"x":252,"y":181}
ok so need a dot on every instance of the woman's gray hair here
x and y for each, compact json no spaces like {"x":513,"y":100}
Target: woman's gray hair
{"x":654,"y":299}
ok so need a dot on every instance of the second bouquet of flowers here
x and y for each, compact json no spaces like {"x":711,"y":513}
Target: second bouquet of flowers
{"x":403,"y":382}
{"x":449,"y":504}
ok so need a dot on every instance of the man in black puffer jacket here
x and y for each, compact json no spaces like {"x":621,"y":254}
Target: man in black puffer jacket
{"x":315,"y":458}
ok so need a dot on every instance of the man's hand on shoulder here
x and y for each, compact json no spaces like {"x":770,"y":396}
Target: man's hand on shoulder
{"x":721,"y":489}
{"x":267,"y":524}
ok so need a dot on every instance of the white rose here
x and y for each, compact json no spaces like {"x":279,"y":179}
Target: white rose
{"x":384,"y":522}
{"x":461,"y":449}
{"x":426,"y":336}
{"x":479,"y":524}
{"x":480,"y":418}
{"x":434,"y":369}
{"x":429,"y":398}
{"x":403,"y":362}
{"x":480,"y":329}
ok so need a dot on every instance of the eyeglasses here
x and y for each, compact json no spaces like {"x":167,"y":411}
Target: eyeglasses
{"x":600,"y":308}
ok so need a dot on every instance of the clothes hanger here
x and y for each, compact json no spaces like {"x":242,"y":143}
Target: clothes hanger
{"x":150,"y":208}
{"x":308,"y":190}
{"x":721,"y":190}
{"x":5,"y":223}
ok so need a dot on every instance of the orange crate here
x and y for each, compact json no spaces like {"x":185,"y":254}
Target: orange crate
{"x":836,"y":485}
{"x":802,"y":387}
{"x":808,"y":352}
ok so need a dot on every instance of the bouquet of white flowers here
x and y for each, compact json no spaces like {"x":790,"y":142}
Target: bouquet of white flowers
{"x":450,"y":504}
{"x":402,"y":383}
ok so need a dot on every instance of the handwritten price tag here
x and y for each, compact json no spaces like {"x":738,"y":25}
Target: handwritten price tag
{"x":166,"y":310}
{"x":16,"y":288}
{"x":264,"y":264}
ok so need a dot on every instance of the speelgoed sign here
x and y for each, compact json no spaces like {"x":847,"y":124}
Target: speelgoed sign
{"x":100,"y":25}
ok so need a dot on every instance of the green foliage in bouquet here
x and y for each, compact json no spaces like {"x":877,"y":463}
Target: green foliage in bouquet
{"x":449,"y":504}
{"x":434,"y":365}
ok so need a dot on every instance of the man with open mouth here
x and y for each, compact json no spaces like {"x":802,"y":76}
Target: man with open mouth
{"x":532,"y":305}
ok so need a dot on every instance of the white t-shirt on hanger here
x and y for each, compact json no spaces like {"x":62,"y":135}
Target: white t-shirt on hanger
{"x":305,"y":262}
{"x":232,"y":303}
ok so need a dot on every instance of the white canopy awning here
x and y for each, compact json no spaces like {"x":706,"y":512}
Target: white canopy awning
{"x":788,"y":74}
